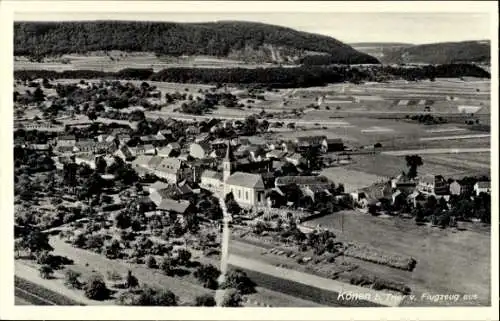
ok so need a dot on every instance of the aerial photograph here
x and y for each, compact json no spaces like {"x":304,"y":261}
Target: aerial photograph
{"x":252,"y":159}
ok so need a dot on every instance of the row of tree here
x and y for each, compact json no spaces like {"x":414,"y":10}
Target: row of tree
{"x":278,"y":77}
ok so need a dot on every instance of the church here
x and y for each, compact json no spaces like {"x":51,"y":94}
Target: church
{"x":248,"y":189}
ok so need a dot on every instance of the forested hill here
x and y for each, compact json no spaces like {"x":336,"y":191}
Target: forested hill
{"x":235,"y":39}
{"x":436,"y":53}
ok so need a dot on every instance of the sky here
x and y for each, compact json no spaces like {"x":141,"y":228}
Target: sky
{"x":351,"y":27}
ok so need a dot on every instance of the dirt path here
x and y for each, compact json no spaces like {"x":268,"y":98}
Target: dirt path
{"x":436,"y":151}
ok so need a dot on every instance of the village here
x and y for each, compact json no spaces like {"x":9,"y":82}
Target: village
{"x":114,"y":181}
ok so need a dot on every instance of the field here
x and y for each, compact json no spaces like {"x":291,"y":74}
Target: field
{"x":391,"y":166}
{"x":352,"y":180}
{"x":117,"y":60}
{"x":444,"y":257}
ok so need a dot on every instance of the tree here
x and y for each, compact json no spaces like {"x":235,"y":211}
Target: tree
{"x":100,"y":165}
{"x":131,"y":280}
{"x":35,"y":241}
{"x":237,"y":279}
{"x":151,"y":262}
{"x":207,"y":275}
{"x":205,"y":300}
{"x":167,"y":266}
{"x":251,"y":125}
{"x":232,"y":298}
{"x":183,"y":256}
{"x":71,"y":279}
{"x":95,"y":288}
{"x":413,"y":162}
{"x":122,"y":220}
{"x":38,"y":95}
{"x":46,"y":271}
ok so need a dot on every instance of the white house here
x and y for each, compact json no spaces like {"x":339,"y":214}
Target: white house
{"x":482,"y":187}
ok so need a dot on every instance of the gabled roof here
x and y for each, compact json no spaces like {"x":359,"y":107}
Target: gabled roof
{"x":154,"y":161}
{"x":158,"y":185}
{"x":169,"y":164}
{"x":483,"y":184}
{"x":310,"y":139}
{"x":331,"y":141}
{"x":177,"y":206}
{"x":246,"y":180}
{"x":67,"y":137}
{"x":142,"y":160}
{"x":303,"y":180}
{"x":211,"y":174}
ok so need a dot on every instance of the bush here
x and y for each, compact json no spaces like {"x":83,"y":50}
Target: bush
{"x":205,"y":300}
{"x":237,"y":279}
{"x":232,"y":298}
{"x":95,"y":288}
{"x":370,"y":254}
{"x":46,"y":271}
{"x":71,"y":279}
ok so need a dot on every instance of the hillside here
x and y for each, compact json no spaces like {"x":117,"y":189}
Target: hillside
{"x":247,"y":41}
{"x":437,"y":53}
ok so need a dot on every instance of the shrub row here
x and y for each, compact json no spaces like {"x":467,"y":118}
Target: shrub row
{"x":370,"y":254}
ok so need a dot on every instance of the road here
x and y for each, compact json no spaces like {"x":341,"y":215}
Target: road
{"x":29,"y":293}
{"x":436,"y":151}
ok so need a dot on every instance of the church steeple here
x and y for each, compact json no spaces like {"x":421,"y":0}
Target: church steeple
{"x":227,"y":162}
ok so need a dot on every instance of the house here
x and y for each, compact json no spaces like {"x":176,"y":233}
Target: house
{"x":276,"y":154}
{"x":205,"y":137}
{"x":433,"y":185}
{"x":168,"y":168}
{"x":156,"y":186}
{"x":211,"y":180}
{"x":455,"y":188}
{"x":482,"y":187}
{"x":248,"y":189}
{"x":123,"y":138}
{"x":40,"y":147}
{"x":416,"y":198}
{"x":372,"y":194}
{"x":105,"y":147}
{"x":147,"y":149}
{"x":403,"y":183}
{"x":171,"y":150}
{"x":313,"y":191}
{"x":175,"y":206}
{"x":86,"y":158}
{"x":333,"y":145}
{"x":193,"y":130}
{"x":67,"y":140}
{"x":125,"y":153}
{"x":295,"y":158}
{"x":288,"y":147}
{"x":85,"y":146}
{"x":306,"y":142}
{"x":199,"y":150}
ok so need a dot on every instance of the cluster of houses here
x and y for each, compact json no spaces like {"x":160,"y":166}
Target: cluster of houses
{"x":415,"y":191}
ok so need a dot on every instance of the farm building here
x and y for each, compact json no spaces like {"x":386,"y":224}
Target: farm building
{"x":433,"y":185}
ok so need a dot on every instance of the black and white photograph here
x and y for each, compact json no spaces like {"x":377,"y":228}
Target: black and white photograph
{"x":253,"y":159}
